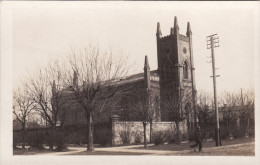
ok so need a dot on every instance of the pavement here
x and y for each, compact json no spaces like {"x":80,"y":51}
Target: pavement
{"x":132,"y":149}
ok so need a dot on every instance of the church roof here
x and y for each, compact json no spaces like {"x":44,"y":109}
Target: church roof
{"x":140,"y":76}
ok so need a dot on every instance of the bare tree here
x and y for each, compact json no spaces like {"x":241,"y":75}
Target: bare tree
{"x":229,"y":101}
{"x":178,"y":103}
{"x":247,"y":109}
{"x":145,"y":108}
{"x":22,"y":107}
{"x":46,"y":90}
{"x":204,"y":101}
{"x":97,"y":77}
{"x":238,"y":106}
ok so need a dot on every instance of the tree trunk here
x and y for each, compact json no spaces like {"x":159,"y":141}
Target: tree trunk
{"x":145,"y":142}
{"x":205,"y":130}
{"x":178,"y":132}
{"x":229,"y":128}
{"x":90,"y":146}
{"x":247,"y":127}
{"x":61,"y":146}
{"x":151,"y":131}
{"x":51,"y":137}
{"x":23,"y":144}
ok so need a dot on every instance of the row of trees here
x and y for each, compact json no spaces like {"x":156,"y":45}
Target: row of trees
{"x":88,"y":78}
{"x":177,"y":104}
{"x":236,"y":110}
{"x":91,"y":80}
{"x":147,"y":103}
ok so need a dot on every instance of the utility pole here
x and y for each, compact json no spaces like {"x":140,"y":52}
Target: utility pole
{"x":211,"y":44}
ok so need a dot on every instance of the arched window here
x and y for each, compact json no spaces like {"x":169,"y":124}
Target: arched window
{"x":185,"y":70}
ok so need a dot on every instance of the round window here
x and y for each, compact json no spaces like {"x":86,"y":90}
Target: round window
{"x":184,"y":50}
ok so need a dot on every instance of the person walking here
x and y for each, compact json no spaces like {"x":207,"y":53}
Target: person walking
{"x":197,"y":139}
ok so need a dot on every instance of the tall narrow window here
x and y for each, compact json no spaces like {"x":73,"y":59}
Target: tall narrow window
{"x":185,"y":70}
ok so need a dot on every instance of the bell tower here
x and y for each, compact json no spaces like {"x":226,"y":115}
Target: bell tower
{"x":175,"y":68}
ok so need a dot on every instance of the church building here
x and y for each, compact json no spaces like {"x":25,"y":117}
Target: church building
{"x":173,"y":84}
{"x":173,"y":81}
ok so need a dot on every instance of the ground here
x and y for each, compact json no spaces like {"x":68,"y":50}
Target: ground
{"x":235,"y":147}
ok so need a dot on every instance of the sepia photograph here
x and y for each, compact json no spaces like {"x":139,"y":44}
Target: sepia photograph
{"x":129,"y":82}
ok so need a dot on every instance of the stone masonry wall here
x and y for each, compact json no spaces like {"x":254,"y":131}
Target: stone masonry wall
{"x":135,"y":128}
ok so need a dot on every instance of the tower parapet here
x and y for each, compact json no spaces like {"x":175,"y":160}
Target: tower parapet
{"x":175,"y":64}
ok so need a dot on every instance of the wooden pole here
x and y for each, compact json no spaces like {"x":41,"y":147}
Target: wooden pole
{"x":215,"y":91}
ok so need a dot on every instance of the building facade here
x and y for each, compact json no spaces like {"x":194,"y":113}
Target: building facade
{"x":174,"y":79}
{"x":176,"y":70}
{"x":173,"y":82}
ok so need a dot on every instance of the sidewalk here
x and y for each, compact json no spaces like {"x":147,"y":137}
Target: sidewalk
{"x":130,"y":149}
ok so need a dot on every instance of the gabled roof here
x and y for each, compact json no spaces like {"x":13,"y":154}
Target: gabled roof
{"x":134,"y":78}
{"x":140,"y":76}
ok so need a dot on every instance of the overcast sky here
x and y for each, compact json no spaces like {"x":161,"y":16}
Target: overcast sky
{"x":46,"y":30}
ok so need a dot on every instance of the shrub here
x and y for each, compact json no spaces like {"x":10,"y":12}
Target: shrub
{"x":169,"y":136}
{"x":138,"y":138}
{"x":184,"y":136}
{"x":74,"y":138}
{"x":208,"y":133}
{"x":59,"y":140}
{"x":125,"y":136}
{"x":212,"y":134}
{"x":205,"y":134}
{"x":16,"y":139}
{"x":172,"y":137}
{"x":103,"y":137}
{"x":191,"y":135}
{"x":237,"y":132}
{"x":49,"y":138}
{"x":251,"y":132}
{"x":224,"y":133}
{"x":160,"y":137}
{"x":35,"y":139}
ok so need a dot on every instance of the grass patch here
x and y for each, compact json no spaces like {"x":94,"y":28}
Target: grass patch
{"x":207,"y":144}
{"x":30,"y":152}
{"x":243,"y":150}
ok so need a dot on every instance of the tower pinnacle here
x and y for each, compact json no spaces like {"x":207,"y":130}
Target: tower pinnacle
{"x":146,"y":63}
{"x":176,"y":26}
{"x":188,"y":33}
{"x":158,"y":32}
{"x":171,"y":31}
